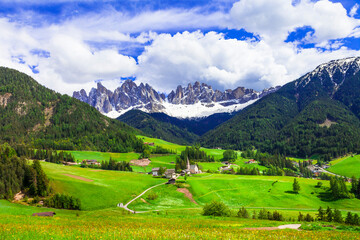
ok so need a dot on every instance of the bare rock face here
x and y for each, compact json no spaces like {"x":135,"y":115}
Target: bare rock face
{"x":129,"y":95}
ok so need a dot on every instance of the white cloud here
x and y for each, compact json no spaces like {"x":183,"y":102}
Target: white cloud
{"x":185,"y":57}
{"x":273,"y":20}
{"x":226,"y":63}
{"x":71,"y":62}
{"x":354,"y":10}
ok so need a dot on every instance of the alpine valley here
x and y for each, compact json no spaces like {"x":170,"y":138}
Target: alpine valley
{"x":61,"y":156}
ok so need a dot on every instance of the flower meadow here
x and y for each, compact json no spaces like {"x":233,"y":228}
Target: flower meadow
{"x":150,"y":226}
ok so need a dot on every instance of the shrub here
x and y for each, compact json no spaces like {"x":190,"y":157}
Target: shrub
{"x":152,"y":196}
{"x":216,"y":208}
{"x":243,"y":213}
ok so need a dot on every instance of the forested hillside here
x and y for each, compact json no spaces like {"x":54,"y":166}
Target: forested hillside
{"x":158,"y":129}
{"x":316,"y":114}
{"x":181,"y":131}
{"x":42,"y":118}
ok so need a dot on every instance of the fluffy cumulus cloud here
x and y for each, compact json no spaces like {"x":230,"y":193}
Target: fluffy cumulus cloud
{"x":73,"y":53}
{"x":226,"y":63}
{"x":273,"y":20}
{"x":60,"y":58}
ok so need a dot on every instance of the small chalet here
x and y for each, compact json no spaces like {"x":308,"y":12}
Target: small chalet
{"x":184,"y":172}
{"x":44,"y":214}
{"x":92,"y":162}
{"x":226,"y":169}
{"x":170,"y":173}
{"x":155,"y":171}
{"x":149,"y":143}
{"x":251,"y":161}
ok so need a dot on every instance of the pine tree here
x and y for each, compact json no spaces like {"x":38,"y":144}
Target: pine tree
{"x":349,"y":218}
{"x":296,"y":186}
{"x":300,"y":217}
{"x":354,"y":185}
{"x":321,"y":214}
{"x":338,"y":216}
{"x":329,"y":215}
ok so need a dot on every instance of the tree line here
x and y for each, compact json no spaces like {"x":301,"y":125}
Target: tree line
{"x":17,"y":175}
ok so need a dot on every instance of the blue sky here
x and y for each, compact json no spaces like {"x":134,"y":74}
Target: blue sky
{"x":68,"y":45}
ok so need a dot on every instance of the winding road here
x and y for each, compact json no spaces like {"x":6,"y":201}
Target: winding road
{"x":126,"y":205}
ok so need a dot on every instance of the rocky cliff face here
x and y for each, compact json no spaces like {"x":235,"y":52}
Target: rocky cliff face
{"x":144,"y":97}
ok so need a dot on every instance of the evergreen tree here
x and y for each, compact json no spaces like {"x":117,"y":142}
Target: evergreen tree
{"x":349,"y":218}
{"x":300,"y":217}
{"x":296,"y":186}
{"x":356,"y":219}
{"x":338,"y":216}
{"x":329,"y":215}
{"x":354,"y":185}
{"x":243,"y":213}
{"x":321,"y":214}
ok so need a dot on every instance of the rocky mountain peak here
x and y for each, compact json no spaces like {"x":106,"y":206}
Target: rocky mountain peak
{"x":332,"y":74}
{"x":144,"y":97}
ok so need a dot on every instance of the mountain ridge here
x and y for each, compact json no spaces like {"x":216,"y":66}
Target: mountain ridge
{"x":194,"y":101}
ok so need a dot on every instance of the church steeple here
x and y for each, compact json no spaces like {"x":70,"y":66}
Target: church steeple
{"x":188,"y":164}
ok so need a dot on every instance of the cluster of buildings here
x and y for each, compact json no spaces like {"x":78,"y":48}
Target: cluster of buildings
{"x":171,"y":174}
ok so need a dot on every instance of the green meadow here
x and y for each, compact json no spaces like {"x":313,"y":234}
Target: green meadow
{"x":102,"y":156}
{"x":348,"y":166}
{"x":116,"y":224}
{"x":238,"y":190}
{"x":98,"y":189}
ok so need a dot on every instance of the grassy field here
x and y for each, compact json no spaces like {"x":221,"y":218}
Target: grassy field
{"x":276,"y":192}
{"x":164,"y":144}
{"x":16,"y":223}
{"x":98,"y":189}
{"x":101,"y":156}
{"x":348,"y":166}
{"x":237,"y":191}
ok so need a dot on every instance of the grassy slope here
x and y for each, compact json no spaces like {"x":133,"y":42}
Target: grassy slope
{"x":239,"y":191}
{"x":349,"y":166}
{"x":248,"y":191}
{"x":101,"y":156}
{"x":107,"y":189}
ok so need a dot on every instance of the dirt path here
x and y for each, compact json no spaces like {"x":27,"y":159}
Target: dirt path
{"x":187,"y":194}
{"x":126,"y":205}
{"x":288,"y":226}
{"x":78,"y":177}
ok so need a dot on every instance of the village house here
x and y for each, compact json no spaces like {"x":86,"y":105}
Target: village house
{"x":251,"y":161}
{"x":92,"y":162}
{"x":149,"y":143}
{"x":170,"y":173}
{"x":155,"y":171}
{"x":226,"y":169}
